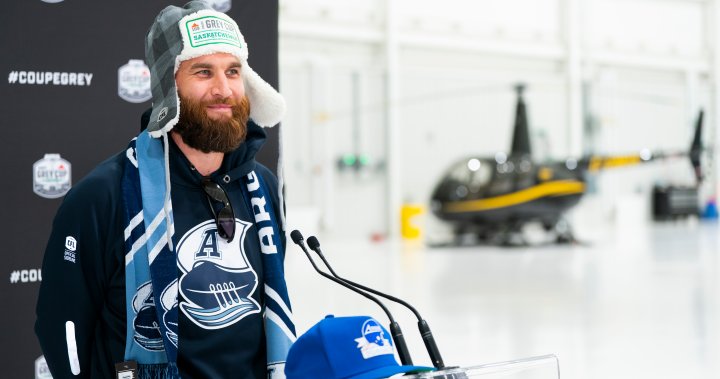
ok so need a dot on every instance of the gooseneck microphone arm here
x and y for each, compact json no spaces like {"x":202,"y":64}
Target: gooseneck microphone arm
{"x":314,"y":245}
{"x":395,"y":330}
{"x":423,"y":326}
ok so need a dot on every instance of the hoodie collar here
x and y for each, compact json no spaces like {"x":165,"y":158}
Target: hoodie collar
{"x":235,"y":164}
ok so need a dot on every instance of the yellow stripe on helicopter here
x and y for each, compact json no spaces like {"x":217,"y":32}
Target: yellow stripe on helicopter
{"x":597,"y":163}
{"x":554,"y":188}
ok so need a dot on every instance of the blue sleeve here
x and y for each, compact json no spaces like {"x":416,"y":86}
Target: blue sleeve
{"x":75,"y":277}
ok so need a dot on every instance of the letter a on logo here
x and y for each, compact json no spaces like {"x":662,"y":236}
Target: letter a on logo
{"x":208,"y":248}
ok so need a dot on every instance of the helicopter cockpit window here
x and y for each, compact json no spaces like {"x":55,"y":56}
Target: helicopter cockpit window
{"x":459,"y":173}
{"x":480,"y":177}
{"x":473,"y":173}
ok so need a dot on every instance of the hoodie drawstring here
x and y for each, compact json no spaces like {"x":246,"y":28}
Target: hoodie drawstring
{"x":169,"y":229}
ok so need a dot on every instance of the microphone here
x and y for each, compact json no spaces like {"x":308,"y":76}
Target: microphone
{"x":423,"y":326}
{"x":395,"y":330}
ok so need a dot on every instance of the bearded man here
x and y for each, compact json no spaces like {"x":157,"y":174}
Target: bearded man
{"x":166,"y":261}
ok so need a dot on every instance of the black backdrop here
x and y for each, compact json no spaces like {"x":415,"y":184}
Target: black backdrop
{"x":60,"y":94}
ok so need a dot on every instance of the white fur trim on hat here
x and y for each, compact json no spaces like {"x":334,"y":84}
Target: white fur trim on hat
{"x":267,"y":106}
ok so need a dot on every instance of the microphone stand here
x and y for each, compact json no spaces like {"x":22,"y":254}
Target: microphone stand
{"x":395,"y":330}
{"x":423,"y":326}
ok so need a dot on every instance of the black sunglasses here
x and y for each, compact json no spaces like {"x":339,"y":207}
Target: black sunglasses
{"x":225,"y":219}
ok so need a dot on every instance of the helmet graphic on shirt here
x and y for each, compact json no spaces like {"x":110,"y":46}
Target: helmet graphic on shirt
{"x":216,"y":281}
{"x":147,"y":330}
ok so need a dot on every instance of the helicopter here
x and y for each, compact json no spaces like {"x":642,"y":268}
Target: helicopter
{"x":494,"y":198}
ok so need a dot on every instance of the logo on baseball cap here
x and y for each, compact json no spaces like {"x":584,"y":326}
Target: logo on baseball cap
{"x":356,"y":347}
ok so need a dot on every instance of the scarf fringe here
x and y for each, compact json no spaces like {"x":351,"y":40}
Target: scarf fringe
{"x":158,"y":371}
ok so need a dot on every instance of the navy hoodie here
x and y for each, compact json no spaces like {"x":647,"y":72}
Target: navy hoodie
{"x":84,"y":271}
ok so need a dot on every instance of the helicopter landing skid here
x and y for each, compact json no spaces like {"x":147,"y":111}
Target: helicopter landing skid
{"x":514,"y":234}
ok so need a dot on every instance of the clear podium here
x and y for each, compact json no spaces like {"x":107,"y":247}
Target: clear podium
{"x":539,"y":367}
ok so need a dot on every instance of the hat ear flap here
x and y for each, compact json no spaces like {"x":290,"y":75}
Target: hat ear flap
{"x":267,"y":106}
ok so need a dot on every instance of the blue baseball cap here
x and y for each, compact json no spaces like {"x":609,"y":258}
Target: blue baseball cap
{"x":356,"y":347}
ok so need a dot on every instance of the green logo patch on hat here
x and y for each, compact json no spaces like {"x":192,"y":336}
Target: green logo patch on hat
{"x":211,"y":30}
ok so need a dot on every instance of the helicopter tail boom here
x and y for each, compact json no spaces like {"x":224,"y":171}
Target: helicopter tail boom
{"x":597,"y":163}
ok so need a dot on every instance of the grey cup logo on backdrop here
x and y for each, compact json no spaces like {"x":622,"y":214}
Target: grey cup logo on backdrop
{"x":52,"y":176}
{"x":134,"y":82}
{"x":220,"y":5}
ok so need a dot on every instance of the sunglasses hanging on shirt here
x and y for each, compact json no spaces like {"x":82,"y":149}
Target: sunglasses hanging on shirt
{"x":225,"y":219}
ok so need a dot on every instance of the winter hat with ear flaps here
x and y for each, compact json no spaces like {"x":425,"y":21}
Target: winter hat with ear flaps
{"x":179,"y":34}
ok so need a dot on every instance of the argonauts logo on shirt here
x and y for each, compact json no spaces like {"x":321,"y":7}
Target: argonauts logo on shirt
{"x":216,"y":281}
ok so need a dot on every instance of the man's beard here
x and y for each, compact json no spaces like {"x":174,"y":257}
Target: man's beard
{"x":208,"y":135}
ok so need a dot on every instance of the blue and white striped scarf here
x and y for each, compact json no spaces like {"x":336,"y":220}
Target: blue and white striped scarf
{"x":151,"y":273}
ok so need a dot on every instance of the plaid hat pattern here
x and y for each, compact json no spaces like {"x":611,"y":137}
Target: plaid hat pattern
{"x":356,"y":347}
{"x":179,"y":34}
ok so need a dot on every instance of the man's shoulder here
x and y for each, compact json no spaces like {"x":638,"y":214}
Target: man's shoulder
{"x":95,"y":199}
{"x":102,"y":182}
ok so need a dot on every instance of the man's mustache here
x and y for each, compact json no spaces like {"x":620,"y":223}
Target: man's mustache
{"x":227,"y":101}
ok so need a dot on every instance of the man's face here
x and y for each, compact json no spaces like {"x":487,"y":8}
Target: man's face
{"x":213,"y":106}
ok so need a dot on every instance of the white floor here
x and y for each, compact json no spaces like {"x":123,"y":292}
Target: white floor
{"x":640,"y":301}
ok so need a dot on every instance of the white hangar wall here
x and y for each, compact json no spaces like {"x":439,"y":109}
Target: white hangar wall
{"x":416,"y":85}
